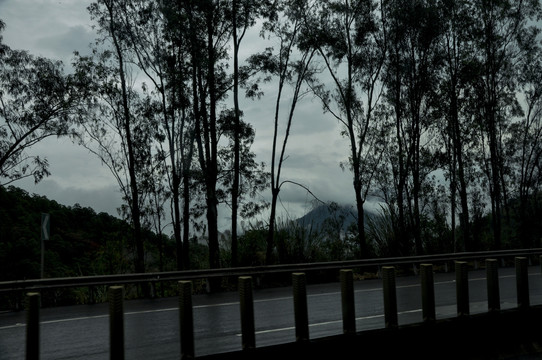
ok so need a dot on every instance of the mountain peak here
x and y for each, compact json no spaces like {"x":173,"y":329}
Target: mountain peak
{"x":342,"y":214}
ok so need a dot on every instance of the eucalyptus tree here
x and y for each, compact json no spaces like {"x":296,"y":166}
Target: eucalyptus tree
{"x":291,"y":67}
{"x":524,"y":145}
{"x":351,"y":42}
{"x":396,"y":154}
{"x":115,"y":128}
{"x":253,"y":179}
{"x":37,"y":101}
{"x":411,"y":73}
{"x":243,"y":16}
{"x":208,"y":36}
{"x":500,"y":26}
{"x":180,"y":134}
{"x":454,"y":89}
{"x":216,"y":38}
{"x":157,"y":37}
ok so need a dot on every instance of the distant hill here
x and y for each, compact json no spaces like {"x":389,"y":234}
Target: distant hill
{"x":82,"y":242}
{"x":347,"y":214}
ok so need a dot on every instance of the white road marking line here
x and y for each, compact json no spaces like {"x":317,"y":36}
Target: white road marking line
{"x":331,"y":322}
{"x":12,"y":326}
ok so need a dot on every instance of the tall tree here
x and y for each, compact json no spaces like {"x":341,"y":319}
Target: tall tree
{"x":243,"y":16}
{"x":456,"y":84}
{"x":396,"y":155}
{"x":525,"y":141}
{"x":209,"y":35}
{"x":422,"y":66}
{"x":414,"y":29}
{"x":284,"y":23}
{"x":182,"y":30}
{"x":157,"y":36}
{"x":496,"y":38}
{"x":112,"y":130}
{"x":350,"y":39}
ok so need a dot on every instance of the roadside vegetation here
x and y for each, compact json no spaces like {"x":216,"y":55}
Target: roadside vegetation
{"x":439,"y":104}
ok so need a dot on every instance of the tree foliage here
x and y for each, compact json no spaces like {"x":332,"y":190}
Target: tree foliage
{"x":439,"y":104}
{"x":37,"y":101}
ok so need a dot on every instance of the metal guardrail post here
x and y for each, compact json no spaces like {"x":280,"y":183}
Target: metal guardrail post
{"x":246,"y":302}
{"x":32,"y":326}
{"x":116,"y":322}
{"x":186,"y":319}
{"x":522,"y":282}
{"x":390,"y":297}
{"x":347,"y":300}
{"x":428,"y":292}
{"x":493,"y":296}
{"x":462,"y":288}
{"x":299,"y":283}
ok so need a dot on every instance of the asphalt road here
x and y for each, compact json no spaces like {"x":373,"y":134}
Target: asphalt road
{"x":152,"y":329}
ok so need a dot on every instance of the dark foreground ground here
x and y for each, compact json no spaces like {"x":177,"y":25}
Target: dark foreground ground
{"x":509,"y":334}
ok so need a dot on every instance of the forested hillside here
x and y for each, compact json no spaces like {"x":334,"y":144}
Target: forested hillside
{"x":438,"y":106}
{"x":81,"y":242}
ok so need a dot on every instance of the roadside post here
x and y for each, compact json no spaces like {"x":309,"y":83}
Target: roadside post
{"x":301,"y":313}
{"x":32,"y":326}
{"x":116,"y":322}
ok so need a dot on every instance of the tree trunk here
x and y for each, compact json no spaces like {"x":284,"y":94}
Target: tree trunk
{"x":134,"y":205}
{"x":457,"y":145}
{"x":186,"y":218}
{"x":401,"y":236}
{"x":363,"y":253}
{"x":177,"y":217}
{"x":212,"y":223}
{"x":236,"y":139}
{"x":416,"y":179}
{"x":465,"y":218}
{"x":212,"y":147}
{"x":271,"y":230}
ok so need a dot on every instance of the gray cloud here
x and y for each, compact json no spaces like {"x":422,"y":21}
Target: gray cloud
{"x":76,"y":177}
{"x":106,"y":199}
{"x":55,"y":29}
{"x":33,"y":25}
{"x":62,"y":46}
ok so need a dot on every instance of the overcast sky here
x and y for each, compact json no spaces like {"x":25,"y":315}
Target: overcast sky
{"x":56,"y":28}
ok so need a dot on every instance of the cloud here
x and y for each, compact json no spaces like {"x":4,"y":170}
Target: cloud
{"x":46,"y":27}
{"x":323,"y":177}
{"x":55,"y":28}
{"x":76,"y":177}
{"x":72,"y":165}
{"x":62,"y":46}
{"x":106,"y":199}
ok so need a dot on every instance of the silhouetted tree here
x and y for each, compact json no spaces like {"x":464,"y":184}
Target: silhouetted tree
{"x":284,"y":23}
{"x":500,"y":26}
{"x":455,"y":87}
{"x":350,"y":39}
{"x":113,"y":129}
{"x":243,"y":16}
{"x":37,"y":101}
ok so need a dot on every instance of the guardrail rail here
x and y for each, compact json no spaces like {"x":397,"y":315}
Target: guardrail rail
{"x":298,"y":271}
